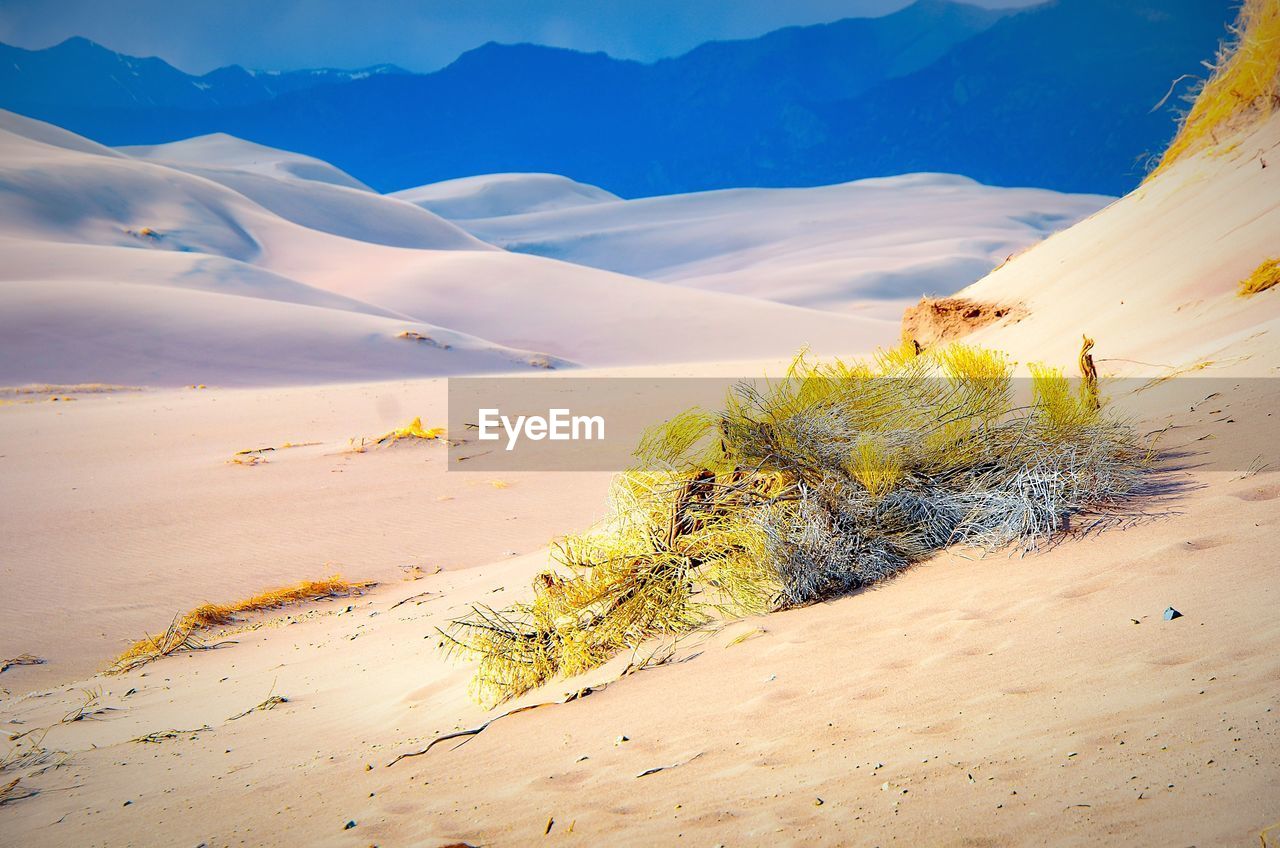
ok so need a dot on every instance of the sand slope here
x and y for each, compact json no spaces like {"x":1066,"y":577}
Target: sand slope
{"x":492,"y":195}
{"x":868,"y":246}
{"x":250,"y":229}
{"x":226,"y":151}
{"x":1154,"y":276}
{"x":308,"y":192}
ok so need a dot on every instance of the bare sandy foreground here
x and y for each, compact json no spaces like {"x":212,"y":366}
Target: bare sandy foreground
{"x":123,"y":509}
{"x":994,"y":701}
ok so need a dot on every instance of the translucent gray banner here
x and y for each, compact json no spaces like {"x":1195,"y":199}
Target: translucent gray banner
{"x":565,"y":423}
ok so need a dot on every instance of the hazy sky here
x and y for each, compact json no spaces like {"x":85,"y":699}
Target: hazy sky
{"x":421,"y":35}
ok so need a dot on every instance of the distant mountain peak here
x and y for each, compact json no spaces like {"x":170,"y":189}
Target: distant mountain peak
{"x":79,"y":42}
{"x":1056,"y":95}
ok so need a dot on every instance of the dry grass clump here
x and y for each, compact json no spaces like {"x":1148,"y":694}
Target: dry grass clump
{"x":414,"y":430}
{"x":1244,"y":87}
{"x":1263,"y":277}
{"x":29,"y":755}
{"x":182,"y":632}
{"x":837,"y":477}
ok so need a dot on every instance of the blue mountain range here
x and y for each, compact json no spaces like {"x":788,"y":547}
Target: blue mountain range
{"x":1064,"y":95}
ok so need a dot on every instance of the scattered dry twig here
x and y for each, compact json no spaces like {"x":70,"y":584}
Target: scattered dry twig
{"x":657,"y":769}
{"x":176,"y":639}
{"x":159,"y":736}
{"x":29,"y":754}
{"x":425,"y":595}
{"x":271,"y":703}
{"x":21,"y":659}
{"x":475,"y":731}
{"x":632,"y":668}
{"x":90,"y":708}
{"x":742,"y":637}
{"x":413,"y":431}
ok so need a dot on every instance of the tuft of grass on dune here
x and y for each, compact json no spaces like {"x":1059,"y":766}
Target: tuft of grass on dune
{"x":1265,"y":276}
{"x":183,"y":632}
{"x":835,"y":478}
{"x":1243,"y":88}
{"x":413,"y":431}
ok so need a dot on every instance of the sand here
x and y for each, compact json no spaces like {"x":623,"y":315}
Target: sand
{"x":491,"y":195}
{"x":104,"y":251}
{"x":866,"y":247}
{"x":972,"y":701}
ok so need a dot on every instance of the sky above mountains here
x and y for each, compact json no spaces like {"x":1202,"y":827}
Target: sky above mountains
{"x":420,"y":35}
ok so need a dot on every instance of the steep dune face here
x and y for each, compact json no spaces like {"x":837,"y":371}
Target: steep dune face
{"x":866,"y":246}
{"x":1154,"y":276}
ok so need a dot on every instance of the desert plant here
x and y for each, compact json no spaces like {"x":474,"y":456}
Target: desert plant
{"x":1244,"y":86}
{"x":413,"y":431}
{"x":1263,"y":277}
{"x":182,"y":633}
{"x":833,"y":478}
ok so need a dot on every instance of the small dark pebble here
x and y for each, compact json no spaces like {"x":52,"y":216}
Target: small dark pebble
{"x":1170,"y":614}
{"x":349,"y":825}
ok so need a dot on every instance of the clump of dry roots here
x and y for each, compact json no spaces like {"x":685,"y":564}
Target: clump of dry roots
{"x":839,"y":476}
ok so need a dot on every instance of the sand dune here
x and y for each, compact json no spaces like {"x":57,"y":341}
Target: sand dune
{"x":219,"y":150}
{"x":867,"y":246}
{"x":1154,"y":276}
{"x":493,"y":195}
{"x":124,"y":271}
{"x":589,"y":316}
{"x":98,"y":221}
{"x":309,"y":193}
{"x":91,"y":331}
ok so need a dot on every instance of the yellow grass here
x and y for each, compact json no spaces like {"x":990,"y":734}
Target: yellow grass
{"x":180,"y":634}
{"x":874,"y":466}
{"x":798,"y":490}
{"x":1263,"y":277}
{"x":1244,"y":87}
{"x":414,"y":430}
